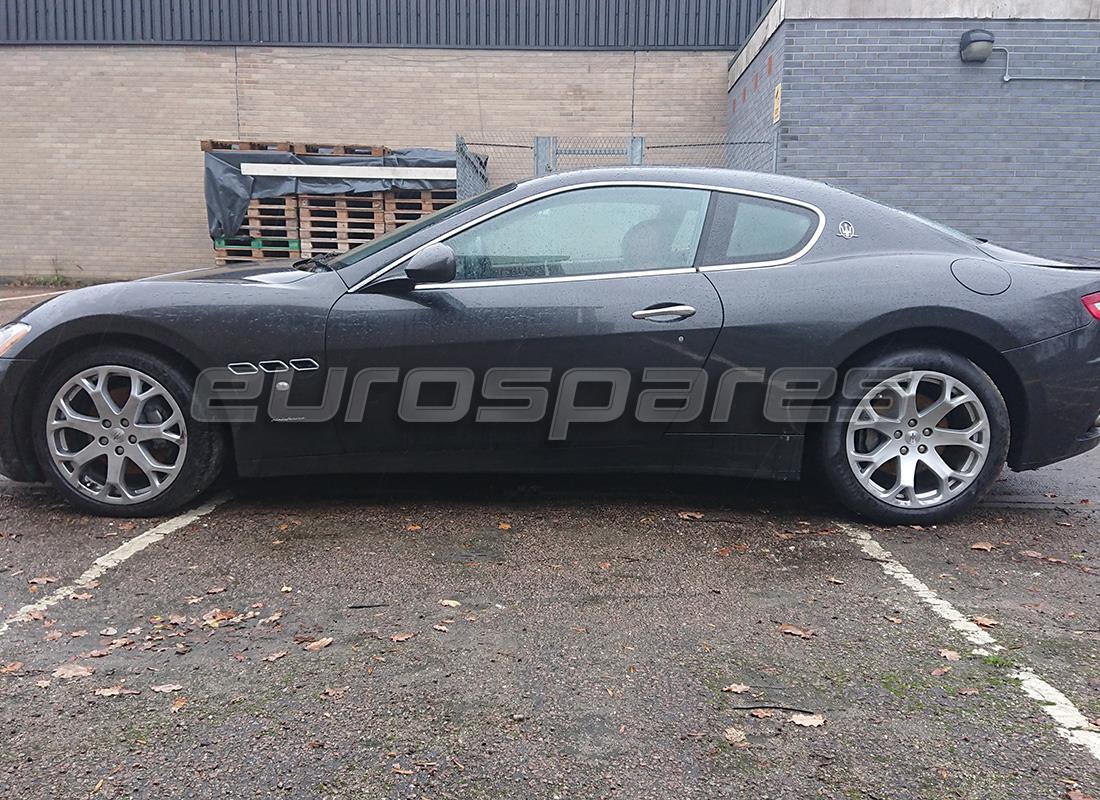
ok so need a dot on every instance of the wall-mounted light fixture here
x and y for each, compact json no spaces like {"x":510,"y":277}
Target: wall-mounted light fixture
{"x":976,"y":45}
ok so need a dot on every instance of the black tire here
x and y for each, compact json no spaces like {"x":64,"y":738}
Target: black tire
{"x":831,"y":439}
{"x":206,"y":446}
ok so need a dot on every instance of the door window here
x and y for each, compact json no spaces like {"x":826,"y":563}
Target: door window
{"x":749,"y":229}
{"x":585,"y":232}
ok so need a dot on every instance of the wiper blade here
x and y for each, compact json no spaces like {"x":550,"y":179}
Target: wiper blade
{"x":317,"y":263}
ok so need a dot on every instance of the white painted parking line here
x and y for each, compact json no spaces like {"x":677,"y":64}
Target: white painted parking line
{"x":101,"y":565}
{"x":33,"y":296}
{"x":1072,"y":724}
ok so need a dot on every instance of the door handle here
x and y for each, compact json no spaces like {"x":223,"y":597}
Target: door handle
{"x":664,"y":313}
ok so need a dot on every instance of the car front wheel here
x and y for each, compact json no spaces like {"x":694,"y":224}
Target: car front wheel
{"x":113,"y":432}
{"x":916,"y":437}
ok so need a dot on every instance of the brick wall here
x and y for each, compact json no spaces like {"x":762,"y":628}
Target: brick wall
{"x":887,"y":109}
{"x":102,"y":175}
{"x":750,"y":104}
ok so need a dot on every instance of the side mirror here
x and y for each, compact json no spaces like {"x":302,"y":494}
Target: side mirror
{"x":434,"y":264}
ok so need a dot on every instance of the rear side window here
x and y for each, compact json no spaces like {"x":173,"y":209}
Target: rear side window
{"x":748,"y":229}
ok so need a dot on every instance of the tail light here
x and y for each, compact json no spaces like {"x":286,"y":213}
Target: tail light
{"x":1092,"y":303}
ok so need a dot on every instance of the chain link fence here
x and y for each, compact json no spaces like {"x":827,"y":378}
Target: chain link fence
{"x":485,"y":160}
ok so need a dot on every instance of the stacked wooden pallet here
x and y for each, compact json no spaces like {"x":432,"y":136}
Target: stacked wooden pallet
{"x":339,"y":222}
{"x":408,"y":205}
{"x":269,"y":230}
{"x":217,"y":144}
{"x":302,"y":226}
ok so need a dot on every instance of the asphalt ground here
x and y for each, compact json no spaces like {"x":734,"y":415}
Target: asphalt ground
{"x":496,"y":637}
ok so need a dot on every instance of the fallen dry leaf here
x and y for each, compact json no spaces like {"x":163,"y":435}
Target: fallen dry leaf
{"x":895,"y":620}
{"x":275,"y":656}
{"x":724,"y":551}
{"x":736,"y":688}
{"x":450,"y":603}
{"x":794,"y":630}
{"x":734,"y":736}
{"x":177,"y":704}
{"x":10,"y":667}
{"x":986,"y":546}
{"x":42,"y":580}
{"x":440,"y":628}
{"x":81,"y":596}
{"x":402,"y":637}
{"x":1077,"y":794}
{"x":690,"y":514}
{"x":42,"y":684}
{"x":938,"y":671}
{"x":967,"y":691}
{"x":762,"y":713}
{"x":215,"y":590}
{"x":413,"y":528}
{"x":984,"y":622}
{"x":604,"y":565}
{"x":68,"y":671}
{"x":108,"y":632}
{"x":950,"y":655}
{"x":1031,"y":554}
{"x":808,"y":720}
{"x":505,"y":526}
{"x":115,"y":691}
{"x":166,"y":688}
{"x":320,"y":644}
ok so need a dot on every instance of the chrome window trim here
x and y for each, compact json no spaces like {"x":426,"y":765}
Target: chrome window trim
{"x":603,"y":275}
{"x":596,"y":276}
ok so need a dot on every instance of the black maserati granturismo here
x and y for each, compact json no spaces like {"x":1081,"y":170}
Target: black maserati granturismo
{"x":684,"y":320}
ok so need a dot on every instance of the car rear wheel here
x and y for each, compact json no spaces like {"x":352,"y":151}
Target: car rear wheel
{"x":114,"y":433}
{"x":916,"y":437}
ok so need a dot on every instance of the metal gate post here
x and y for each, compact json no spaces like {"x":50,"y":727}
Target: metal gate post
{"x":636,"y":151}
{"x":546,"y":155}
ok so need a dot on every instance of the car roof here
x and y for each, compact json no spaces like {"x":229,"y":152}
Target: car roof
{"x":763,"y":182}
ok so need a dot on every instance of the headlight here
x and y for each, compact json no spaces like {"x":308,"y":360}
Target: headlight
{"x":11,"y":334}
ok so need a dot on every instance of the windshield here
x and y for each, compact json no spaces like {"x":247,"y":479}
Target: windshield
{"x":405,"y":231}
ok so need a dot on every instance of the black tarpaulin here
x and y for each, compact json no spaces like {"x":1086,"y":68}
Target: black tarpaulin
{"x":228,"y":190}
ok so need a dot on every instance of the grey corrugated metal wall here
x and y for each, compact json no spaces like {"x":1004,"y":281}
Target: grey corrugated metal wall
{"x":491,"y":24}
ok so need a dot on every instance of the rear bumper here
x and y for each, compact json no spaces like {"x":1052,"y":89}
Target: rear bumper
{"x":16,"y":457}
{"x":1061,"y":385}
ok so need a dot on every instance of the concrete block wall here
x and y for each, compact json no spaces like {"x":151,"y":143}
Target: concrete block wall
{"x":750,"y":104}
{"x":102,"y":171}
{"x":886,"y":108}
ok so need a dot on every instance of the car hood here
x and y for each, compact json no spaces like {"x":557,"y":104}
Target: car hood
{"x":275,"y":271}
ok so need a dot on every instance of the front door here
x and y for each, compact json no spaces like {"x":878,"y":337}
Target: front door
{"x":535,"y":354}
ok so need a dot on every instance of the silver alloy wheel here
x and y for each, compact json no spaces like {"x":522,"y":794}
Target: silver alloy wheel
{"x":918,"y":439}
{"x":116,"y":435}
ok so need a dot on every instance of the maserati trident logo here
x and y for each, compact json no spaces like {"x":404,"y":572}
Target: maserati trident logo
{"x":847,"y":230}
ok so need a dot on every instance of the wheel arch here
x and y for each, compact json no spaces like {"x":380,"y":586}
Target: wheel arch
{"x":986,"y":357}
